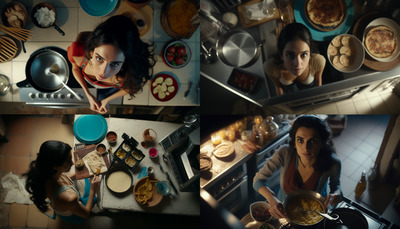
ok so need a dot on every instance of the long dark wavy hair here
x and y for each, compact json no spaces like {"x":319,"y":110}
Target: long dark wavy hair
{"x":121,"y":32}
{"x":292,"y":32}
{"x":51,"y":154}
{"x":327,"y":151}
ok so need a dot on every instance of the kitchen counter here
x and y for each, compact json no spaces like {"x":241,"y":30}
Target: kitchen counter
{"x":72,"y":20}
{"x":183,"y":203}
{"x":336,"y":85}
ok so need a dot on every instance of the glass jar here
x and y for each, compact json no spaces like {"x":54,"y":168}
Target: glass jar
{"x":216,"y":138}
{"x":268,"y":129}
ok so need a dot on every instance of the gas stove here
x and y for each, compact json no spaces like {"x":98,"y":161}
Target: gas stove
{"x":59,"y":98}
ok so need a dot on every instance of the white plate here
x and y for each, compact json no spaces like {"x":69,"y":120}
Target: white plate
{"x":392,"y":25}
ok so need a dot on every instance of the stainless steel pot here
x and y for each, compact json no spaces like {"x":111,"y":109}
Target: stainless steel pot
{"x":304,"y":193}
{"x":38,"y":76}
{"x":238,"y":48}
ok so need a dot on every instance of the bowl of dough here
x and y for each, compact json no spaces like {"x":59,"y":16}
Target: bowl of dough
{"x":346,"y":53}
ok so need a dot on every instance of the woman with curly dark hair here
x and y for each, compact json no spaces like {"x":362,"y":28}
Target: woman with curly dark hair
{"x":46,"y":181}
{"x":112,"y":59}
{"x":306,"y":163}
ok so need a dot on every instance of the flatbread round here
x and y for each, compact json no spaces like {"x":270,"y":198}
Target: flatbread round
{"x":346,"y":50}
{"x":346,"y":40}
{"x":344,"y":60}
{"x":336,"y":62}
{"x":332,"y":50}
{"x":223,"y":150}
{"x":205,"y":162}
{"x":325,"y":13}
{"x":336,"y":41}
{"x":381,"y":42}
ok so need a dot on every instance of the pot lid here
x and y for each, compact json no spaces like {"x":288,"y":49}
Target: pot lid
{"x":42,"y":63}
{"x":238,"y":48}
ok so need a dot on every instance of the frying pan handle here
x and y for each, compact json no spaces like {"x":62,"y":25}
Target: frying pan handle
{"x":59,"y":30}
{"x":22,"y":83}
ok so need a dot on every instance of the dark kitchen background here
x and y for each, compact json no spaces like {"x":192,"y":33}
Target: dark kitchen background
{"x":361,"y":142}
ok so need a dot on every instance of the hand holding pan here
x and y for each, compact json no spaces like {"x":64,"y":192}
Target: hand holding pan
{"x":44,"y":15}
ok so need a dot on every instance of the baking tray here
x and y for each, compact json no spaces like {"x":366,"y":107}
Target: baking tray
{"x":237,"y":78}
{"x":128,"y":151}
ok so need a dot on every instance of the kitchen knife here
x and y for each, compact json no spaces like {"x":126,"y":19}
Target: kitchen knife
{"x":187,"y":90}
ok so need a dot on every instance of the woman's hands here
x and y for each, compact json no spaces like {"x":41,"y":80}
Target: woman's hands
{"x":103,"y":107}
{"x":332,"y":199}
{"x":276,"y":209}
{"x":94,"y":183}
{"x":100,"y":107}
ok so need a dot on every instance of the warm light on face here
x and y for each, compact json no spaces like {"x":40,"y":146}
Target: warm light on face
{"x":107,"y":61}
{"x":296,"y":56}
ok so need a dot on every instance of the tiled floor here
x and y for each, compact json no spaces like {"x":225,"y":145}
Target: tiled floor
{"x":357,"y":147}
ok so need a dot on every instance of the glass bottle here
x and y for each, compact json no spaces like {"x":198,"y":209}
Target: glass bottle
{"x":283,"y":6}
{"x":268,"y":129}
{"x":361,"y":185}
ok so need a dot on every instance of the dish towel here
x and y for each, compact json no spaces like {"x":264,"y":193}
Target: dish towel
{"x":15,"y":188}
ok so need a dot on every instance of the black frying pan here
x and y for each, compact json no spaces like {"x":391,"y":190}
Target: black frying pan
{"x":50,"y":7}
{"x":351,"y":219}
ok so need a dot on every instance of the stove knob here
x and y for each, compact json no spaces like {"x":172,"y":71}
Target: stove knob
{"x":223,"y":186}
{"x":71,"y":96}
{"x":32,"y":96}
{"x":40,"y":95}
{"x":47,"y":96}
{"x":62,"y":96}
{"x":55,"y":96}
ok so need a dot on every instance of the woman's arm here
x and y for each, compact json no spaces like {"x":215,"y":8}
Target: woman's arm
{"x":335,"y":195}
{"x":276,"y":207}
{"x":71,"y":202}
{"x":104,"y":103}
{"x":319,"y":63}
{"x":76,"y":72}
{"x":318,"y":78}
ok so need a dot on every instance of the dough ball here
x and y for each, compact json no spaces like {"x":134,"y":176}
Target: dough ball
{"x":346,"y":50}
{"x":336,"y":41}
{"x":346,"y":40}
{"x":336,"y":62}
{"x":345,"y":60}
{"x":332,"y":50}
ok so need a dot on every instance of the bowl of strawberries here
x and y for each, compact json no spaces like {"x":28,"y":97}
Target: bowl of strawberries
{"x":176,"y":54}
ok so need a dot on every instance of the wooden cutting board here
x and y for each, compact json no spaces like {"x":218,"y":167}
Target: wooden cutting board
{"x":84,"y":172}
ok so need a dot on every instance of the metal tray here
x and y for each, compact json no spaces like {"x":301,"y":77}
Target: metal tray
{"x":237,"y":78}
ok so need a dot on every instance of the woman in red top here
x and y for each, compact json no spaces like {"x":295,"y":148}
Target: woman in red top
{"x":112,"y":59}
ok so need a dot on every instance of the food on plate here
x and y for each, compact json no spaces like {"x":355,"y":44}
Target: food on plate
{"x":136,"y":154}
{"x":345,"y":60}
{"x":180,"y":15}
{"x":120,"y":154}
{"x":345,"y":40}
{"x":296,"y":210}
{"x":225,"y":149}
{"x":79,"y":164}
{"x":16,"y":16}
{"x":163,"y":87}
{"x":381,"y":41}
{"x":205,"y":162}
{"x":126,"y":147}
{"x":345,"y":51}
{"x":242,"y":80}
{"x":130,"y":161}
{"x":94,"y":162}
{"x":45,"y":17}
{"x":332,"y":50}
{"x":336,"y":41}
{"x":336,"y":62}
{"x":261,"y":214}
{"x":176,"y":54}
{"x":250,"y":147}
{"x":119,"y":181}
{"x":325,"y":13}
{"x":144,"y":192}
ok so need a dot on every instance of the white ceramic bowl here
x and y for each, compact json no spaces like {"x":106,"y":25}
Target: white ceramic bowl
{"x":357,"y":54}
{"x":258,"y":204}
{"x":394,"y":27}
